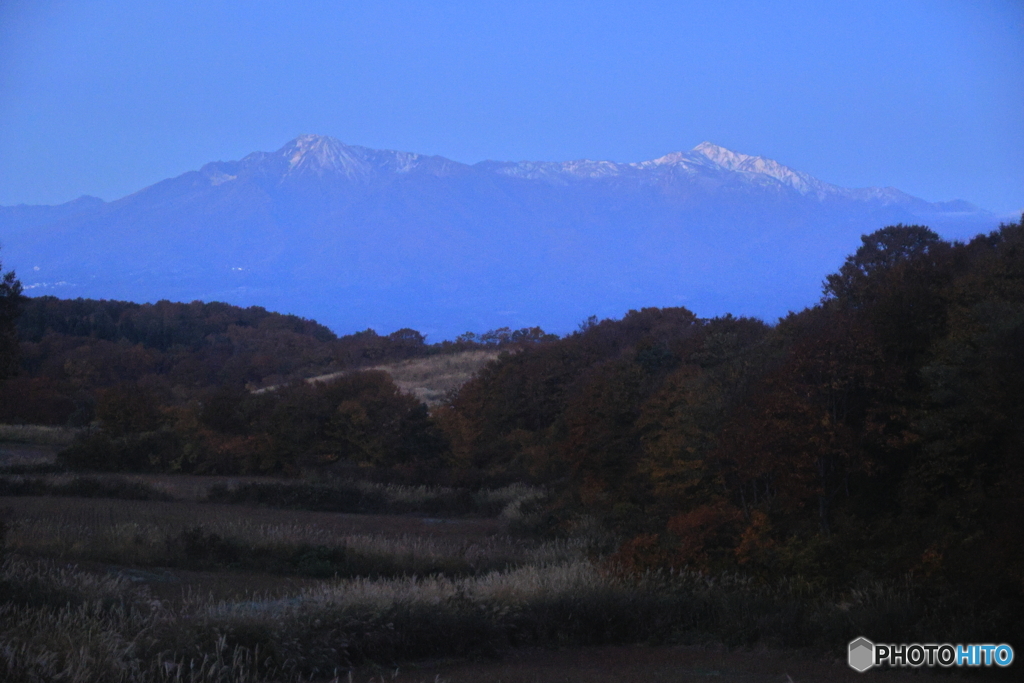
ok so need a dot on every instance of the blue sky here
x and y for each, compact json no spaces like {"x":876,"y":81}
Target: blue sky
{"x":104,"y":98}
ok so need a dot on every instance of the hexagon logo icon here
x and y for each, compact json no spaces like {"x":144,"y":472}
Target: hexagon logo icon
{"x":861,"y":654}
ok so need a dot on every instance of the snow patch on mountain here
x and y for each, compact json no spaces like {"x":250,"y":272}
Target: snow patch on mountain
{"x":760,"y":166}
{"x":219,"y":177}
{"x":321,"y":154}
{"x":705,"y":158}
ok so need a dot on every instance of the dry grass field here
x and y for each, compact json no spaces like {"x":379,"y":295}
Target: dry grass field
{"x":144,"y":533}
{"x":430,"y":378}
{"x":98,"y":589}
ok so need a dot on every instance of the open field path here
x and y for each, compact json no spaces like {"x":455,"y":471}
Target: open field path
{"x":187,"y":513}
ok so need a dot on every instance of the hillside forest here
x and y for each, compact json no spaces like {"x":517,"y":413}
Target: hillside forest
{"x":875,"y":435}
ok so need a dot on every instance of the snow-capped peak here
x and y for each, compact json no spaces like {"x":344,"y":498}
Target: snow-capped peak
{"x":726,"y":158}
{"x":735,"y":161}
{"x":320,"y":153}
{"x":745,"y":163}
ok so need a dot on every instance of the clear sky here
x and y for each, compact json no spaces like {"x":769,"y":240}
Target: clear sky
{"x":104,"y":97}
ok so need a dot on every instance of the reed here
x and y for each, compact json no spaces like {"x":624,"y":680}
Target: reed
{"x":60,"y":623}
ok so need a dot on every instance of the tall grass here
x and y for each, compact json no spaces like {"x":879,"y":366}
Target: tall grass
{"x":63,"y":624}
{"x":59,"y":624}
{"x":577,"y":603}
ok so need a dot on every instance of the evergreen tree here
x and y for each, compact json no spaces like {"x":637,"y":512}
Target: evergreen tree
{"x":10,"y":306}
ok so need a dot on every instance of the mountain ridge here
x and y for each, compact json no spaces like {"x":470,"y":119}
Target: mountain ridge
{"x":319,"y":155}
{"x":357,"y":237}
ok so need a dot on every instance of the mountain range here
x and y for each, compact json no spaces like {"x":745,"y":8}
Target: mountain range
{"x":357,"y":237}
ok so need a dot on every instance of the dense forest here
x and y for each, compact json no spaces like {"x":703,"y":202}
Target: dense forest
{"x":877,"y":434}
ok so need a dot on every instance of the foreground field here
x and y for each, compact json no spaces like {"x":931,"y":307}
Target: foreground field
{"x":562,"y":624}
{"x":165,"y":585}
{"x":97,"y":589}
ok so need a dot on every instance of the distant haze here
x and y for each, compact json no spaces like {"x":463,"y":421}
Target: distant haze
{"x":357,"y":237}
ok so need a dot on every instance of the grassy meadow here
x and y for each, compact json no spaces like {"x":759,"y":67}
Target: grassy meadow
{"x":160,"y":588}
